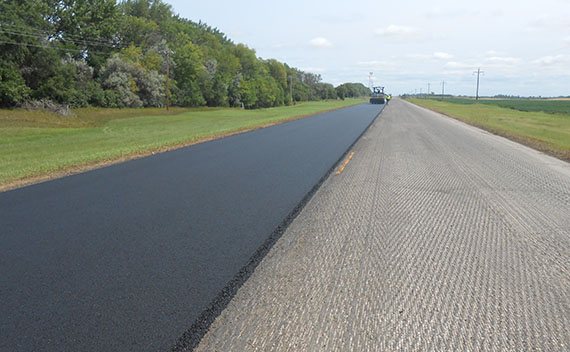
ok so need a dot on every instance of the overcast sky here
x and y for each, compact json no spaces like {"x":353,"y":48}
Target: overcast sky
{"x":523,"y":46}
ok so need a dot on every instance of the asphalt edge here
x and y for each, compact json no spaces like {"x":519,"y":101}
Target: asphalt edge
{"x":192,"y":337}
{"x":82,"y":168}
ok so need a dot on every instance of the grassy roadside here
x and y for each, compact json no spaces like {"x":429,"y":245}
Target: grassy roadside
{"x":547,"y":132}
{"x":36,"y":146}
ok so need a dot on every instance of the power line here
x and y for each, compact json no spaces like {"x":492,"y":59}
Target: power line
{"x":24,"y":30}
{"x":51,"y":47}
{"x":39,"y":36}
{"x":42,"y":36}
{"x":48,"y":45}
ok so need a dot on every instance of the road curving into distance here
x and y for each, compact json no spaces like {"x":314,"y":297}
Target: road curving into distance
{"x":128,"y":257}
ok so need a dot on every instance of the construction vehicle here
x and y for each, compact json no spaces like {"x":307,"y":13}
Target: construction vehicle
{"x":378,"y":95}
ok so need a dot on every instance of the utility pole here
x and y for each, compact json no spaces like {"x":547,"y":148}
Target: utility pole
{"x":428,"y":90}
{"x":442,"y":89}
{"x":478,"y":72}
{"x":291,"y":88}
{"x":167,"y":52}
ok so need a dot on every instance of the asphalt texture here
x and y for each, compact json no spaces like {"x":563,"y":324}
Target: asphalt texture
{"x":437,"y":236}
{"x":128,"y":257}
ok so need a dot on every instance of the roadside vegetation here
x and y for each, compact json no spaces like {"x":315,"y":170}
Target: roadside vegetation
{"x":39,"y":145}
{"x":117,"y":54}
{"x":84,"y":83}
{"x":541,"y":124}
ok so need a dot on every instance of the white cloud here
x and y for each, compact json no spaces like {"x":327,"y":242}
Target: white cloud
{"x":377,"y":65}
{"x":454,"y":72}
{"x":491,"y":53}
{"x":320,"y":42}
{"x":551,"y":60}
{"x":418,"y":56}
{"x":503,"y":60}
{"x":437,"y":55}
{"x":398,"y":31}
{"x":551,"y":22}
{"x":455,"y":64}
{"x":461,"y":13}
{"x":442,"y":55}
{"x":554,"y":66}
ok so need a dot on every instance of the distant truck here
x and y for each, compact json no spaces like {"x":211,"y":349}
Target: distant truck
{"x":378,"y":96}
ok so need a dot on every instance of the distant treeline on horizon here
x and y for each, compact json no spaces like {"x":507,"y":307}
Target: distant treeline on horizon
{"x":117,"y":54}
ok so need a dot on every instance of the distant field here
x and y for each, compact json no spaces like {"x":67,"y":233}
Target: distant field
{"x":38,"y":145}
{"x":548,"y":106}
{"x":543,"y":125}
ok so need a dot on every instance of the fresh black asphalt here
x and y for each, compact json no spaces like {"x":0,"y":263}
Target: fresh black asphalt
{"x":127,"y":257}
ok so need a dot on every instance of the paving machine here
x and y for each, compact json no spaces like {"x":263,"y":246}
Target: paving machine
{"x":378,"y":96}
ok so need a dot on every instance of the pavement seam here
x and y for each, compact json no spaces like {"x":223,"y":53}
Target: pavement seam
{"x":192,"y":337}
{"x":406,"y":251}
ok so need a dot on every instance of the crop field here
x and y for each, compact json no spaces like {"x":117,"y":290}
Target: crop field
{"x":540,"y":124}
{"x":531,"y":105}
{"x":36,"y":145}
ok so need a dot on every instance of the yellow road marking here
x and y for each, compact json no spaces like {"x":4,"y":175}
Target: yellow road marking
{"x":341,"y":169}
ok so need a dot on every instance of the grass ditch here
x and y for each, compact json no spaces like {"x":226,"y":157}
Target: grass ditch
{"x":37,"y":146}
{"x":548,"y":132}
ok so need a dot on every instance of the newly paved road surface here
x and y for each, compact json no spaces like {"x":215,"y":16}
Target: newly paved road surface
{"x":125,"y":258}
{"x":436,"y":237}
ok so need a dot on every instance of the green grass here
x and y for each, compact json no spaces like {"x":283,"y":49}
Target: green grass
{"x":548,"y":132}
{"x":530,"y":105}
{"x":35,"y":144}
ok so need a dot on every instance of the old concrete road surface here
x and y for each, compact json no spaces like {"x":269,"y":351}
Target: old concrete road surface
{"x":436,"y":237}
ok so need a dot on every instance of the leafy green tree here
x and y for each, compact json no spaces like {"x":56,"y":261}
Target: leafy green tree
{"x":86,"y":27}
{"x":267,"y":92}
{"x":188,"y":59}
{"x":156,"y":10}
{"x":136,"y":30}
{"x":250,"y":65}
{"x":112,"y":53}
{"x":135,"y":86}
{"x":234,"y":91}
{"x":278,"y":72}
{"x":350,"y":90}
{"x":117,"y":77}
{"x":13,"y":88}
{"x":341,"y":91}
{"x":248,"y":92}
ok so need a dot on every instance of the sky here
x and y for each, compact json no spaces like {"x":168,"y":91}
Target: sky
{"x":522,"y":46}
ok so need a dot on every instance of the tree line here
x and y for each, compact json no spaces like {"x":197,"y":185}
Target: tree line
{"x":117,"y":54}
